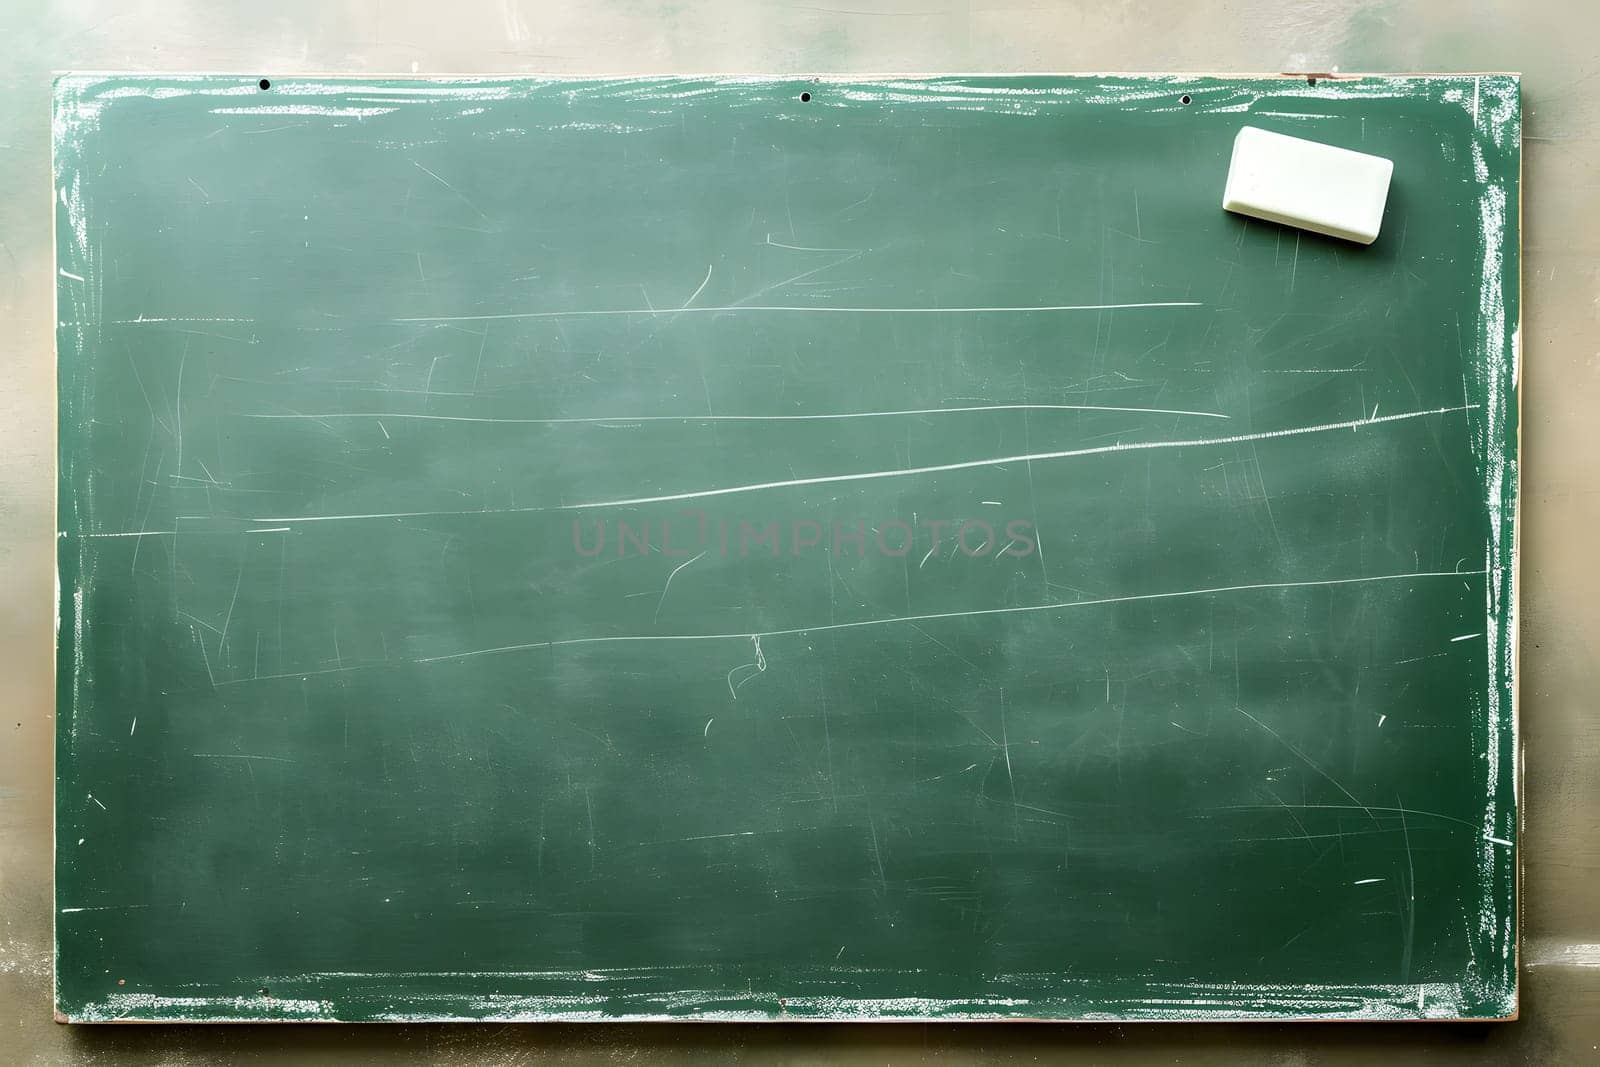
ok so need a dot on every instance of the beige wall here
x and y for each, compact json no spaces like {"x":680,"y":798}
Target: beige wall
{"x":1553,"y":42}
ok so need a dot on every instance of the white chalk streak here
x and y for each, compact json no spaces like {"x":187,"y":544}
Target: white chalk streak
{"x":668,"y":583}
{"x":904,"y":472}
{"x":702,"y":288}
{"x":780,"y":308}
{"x":1026,"y":609}
{"x":611,"y":419}
{"x":233,"y":755}
{"x":319,"y":110}
{"x":142,"y":321}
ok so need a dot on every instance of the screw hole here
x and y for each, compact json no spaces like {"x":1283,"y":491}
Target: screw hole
{"x":265,"y":992}
{"x":264,"y":83}
{"x":1311,"y":80}
{"x":1185,"y":99}
{"x":805,"y":98}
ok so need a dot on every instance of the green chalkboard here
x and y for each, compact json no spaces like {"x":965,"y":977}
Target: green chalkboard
{"x":768,"y":549}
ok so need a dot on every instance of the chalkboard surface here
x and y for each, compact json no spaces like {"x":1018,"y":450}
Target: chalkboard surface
{"x":739,"y":548}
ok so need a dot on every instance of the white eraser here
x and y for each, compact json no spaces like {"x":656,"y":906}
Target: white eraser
{"x":1304,"y":183}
